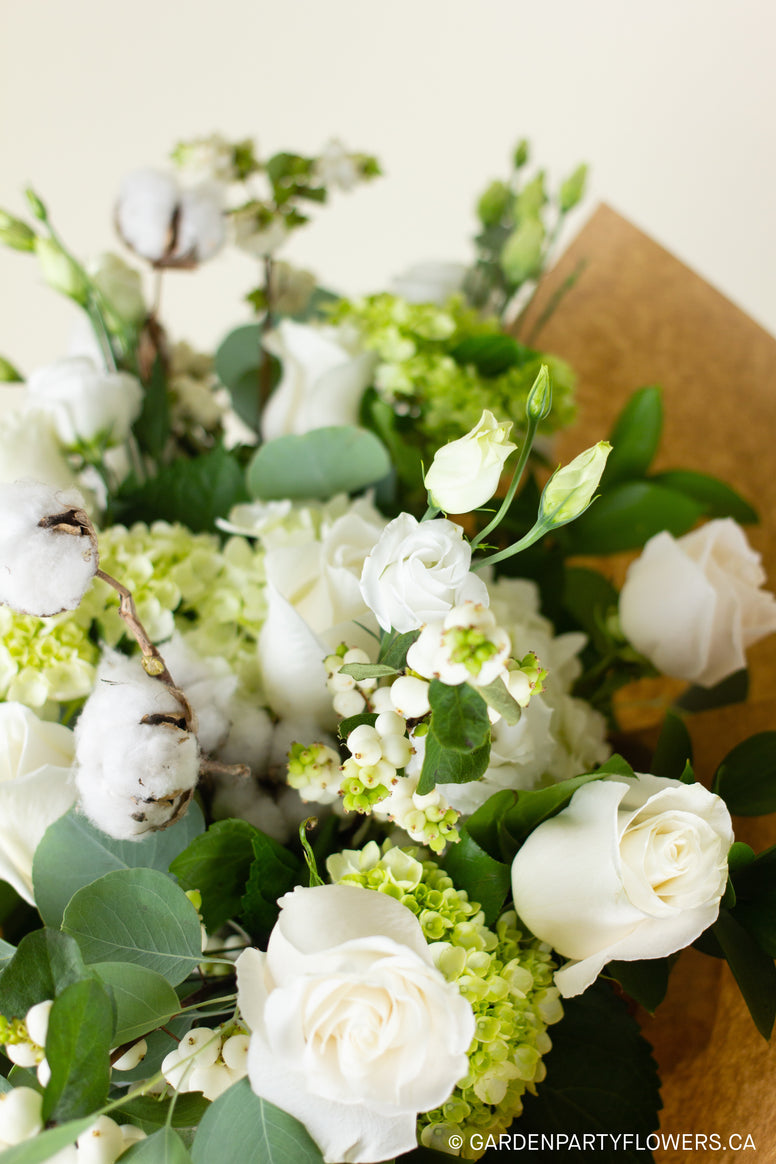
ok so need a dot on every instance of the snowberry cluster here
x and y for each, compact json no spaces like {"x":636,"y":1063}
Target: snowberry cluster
{"x":350,"y":696}
{"x":102,"y":1143}
{"x":208,"y":1060}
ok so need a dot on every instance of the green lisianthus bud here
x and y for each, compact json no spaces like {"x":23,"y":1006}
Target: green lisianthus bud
{"x":15,"y":233}
{"x":492,"y":203}
{"x":60,"y":272}
{"x":520,"y":156}
{"x":521,"y":257}
{"x":539,"y":402}
{"x":572,"y":189}
{"x":570,"y":490}
{"x":9,"y":374}
{"x":531,"y":199}
{"x":36,"y":204}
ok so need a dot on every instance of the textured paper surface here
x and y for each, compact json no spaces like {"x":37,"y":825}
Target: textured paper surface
{"x":638,"y":316}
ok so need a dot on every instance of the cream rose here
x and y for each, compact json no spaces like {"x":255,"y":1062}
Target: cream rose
{"x":417,"y":572}
{"x":36,"y":787}
{"x":322,"y":382}
{"x":693,"y":605}
{"x":85,"y":403}
{"x":354,"y":1030}
{"x":629,"y":870}
{"x":465,"y":473}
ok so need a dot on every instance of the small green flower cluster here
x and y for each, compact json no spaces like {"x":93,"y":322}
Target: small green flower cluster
{"x":44,"y":660}
{"x":505,"y":973}
{"x":423,"y":368}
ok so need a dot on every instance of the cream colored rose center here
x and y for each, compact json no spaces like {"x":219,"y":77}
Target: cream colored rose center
{"x":674,"y":860}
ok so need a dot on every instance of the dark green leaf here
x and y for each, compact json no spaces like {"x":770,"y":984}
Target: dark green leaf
{"x":194,"y":492}
{"x":78,"y":1043}
{"x":459,"y":717}
{"x":318,"y":464}
{"x":45,"y":964}
{"x":139,"y":916}
{"x":240,"y":1128}
{"x":485,"y":880}
{"x":601,"y":1077}
{"x":46,"y":1144}
{"x":246,"y":394}
{"x":635,"y":437}
{"x":406,"y":458}
{"x":152,"y":427}
{"x":746,"y":778}
{"x":144,"y":1000}
{"x":393,"y":650}
{"x":628,"y":515}
{"x":217,"y":863}
{"x":755,"y":886}
{"x":645,"y":982}
{"x":616,"y":766}
{"x":752,"y":968}
{"x":274,"y":872}
{"x":359,"y":671}
{"x":734,"y":689}
{"x":588,"y":597}
{"x":7,"y":952}
{"x":491,"y":355}
{"x":443,"y":765}
{"x":688,"y":775}
{"x":718,"y":499}
{"x":740,"y":856}
{"x":533,"y":807}
{"x":497,"y":696}
{"x":353,"y":721}
{"x":674,"y":748}
{"x":483,"y":825}
{"x":150,"y":1112}
{"x":239,"y":354}
{"x":163,"y":1147}
{"x":73,"y":853}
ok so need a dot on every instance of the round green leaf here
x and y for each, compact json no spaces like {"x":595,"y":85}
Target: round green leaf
{"x":240,"y":1128}
{"x":144,"y":999}
{"x":139,"y":916}
{"x":318,"y":464}
{"x":163,"y":1147}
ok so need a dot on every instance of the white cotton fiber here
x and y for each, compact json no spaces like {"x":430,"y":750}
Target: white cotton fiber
{"x":144,"y":213}
{"x":43,"y":570}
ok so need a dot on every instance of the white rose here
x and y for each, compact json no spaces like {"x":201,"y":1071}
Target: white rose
{"x":693,"y":605}
{"x":430,"y":282}
{"x":85,"y":403}
{"x":629,"y":870}
{"x":36,"y":788}
{"x":417,"y":572}
{"x":465,"y":473}
{"x":354,"y":1030}
{"x":30,"y":450}
{"x":322,"y":381}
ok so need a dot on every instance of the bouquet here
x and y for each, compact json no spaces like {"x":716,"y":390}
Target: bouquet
{"x":326,"y":834}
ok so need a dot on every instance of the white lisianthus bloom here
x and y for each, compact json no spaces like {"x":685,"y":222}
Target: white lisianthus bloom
{"x":465,"y":473}
{"x":353,"y":1029}
{"x":36,"y":788}
{"x":30,"y":448}
{"x":628,"y":870}
{"x":417,"y":572}
{"x":48,"y":555}
{"x":322,"y":381}
{"x":430,"y":282}
{"x":694,"y":604}
{"x":85,"y":403}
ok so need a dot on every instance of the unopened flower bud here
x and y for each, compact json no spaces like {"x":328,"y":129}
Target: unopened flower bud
{"x":465,"y":473}
{"x":493,"y":202}
{"x":520,"y":156}
{"x":573,"y":189}
{"x":60,"y":272}
{"x":521,"y":257}
{"x":539,"y":401}
{"x":15,"y":233}
{"x":9,"y":374}
{"x":36,"y":204}
{"x":570,"y":490}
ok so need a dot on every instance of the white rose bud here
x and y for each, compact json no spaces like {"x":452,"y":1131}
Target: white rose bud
{"x":629,"y":870}
{"x":570,"y":489}
{"x":85,"y":403}
{"x":353,"y":1029}
{"x":693,"y":605}
{"x":418,"y":571}
{"x":48,"y":548}
{"x":465,"y":473}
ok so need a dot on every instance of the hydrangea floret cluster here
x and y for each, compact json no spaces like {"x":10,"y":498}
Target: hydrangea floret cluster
{"x":504,"y":973}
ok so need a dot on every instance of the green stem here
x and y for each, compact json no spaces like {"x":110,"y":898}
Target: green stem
{"x":265,"y":367}
{"x":528,"y":440}
{"x":430,"y":513}
{"x":533,"y":535}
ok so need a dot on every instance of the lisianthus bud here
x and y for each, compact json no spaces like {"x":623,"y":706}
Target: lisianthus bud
{"x":539,"y":402}
{"x":122,"y":287}
{"x":48,"y":548}
{"x":15,"y":233}
{"x":570,"y":490}
{"x":465,"y":473}
{"x":9,"y":374}
{"x":573,"y":189}
{"x":521,"y":257}
{"x":60,"y":272}
{"x":493,"y":203}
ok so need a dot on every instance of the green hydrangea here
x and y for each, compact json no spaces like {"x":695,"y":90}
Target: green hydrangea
{"x":505,"y":973}
{"x":44,"y":661}
{"x":418,"y":371}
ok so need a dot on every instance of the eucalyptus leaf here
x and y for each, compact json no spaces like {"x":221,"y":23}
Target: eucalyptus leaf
{"x":746,"y":778}
{"x":635,"y":437}
{"x":139,"y":916}
{"x":46,"y":1144}
{"x":7,"y":952}
{"x":318,"y":464}
{"x":144,"y":999}
{"x":74,"y":853}
{"x":628,"y":515}
{"x":241,"y":1128}
{"x":486,"y":880}
{"x":717,"y":498}
{"x":78,"y":1043}
{"x":217,"y":863}
{"x":182,"y":1110}
{"x":163,"y":1147}
{"x":45,"y":963}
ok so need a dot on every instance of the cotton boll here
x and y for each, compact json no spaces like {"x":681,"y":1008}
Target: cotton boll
{"x":250,"y":737}
{"x":145,"y":210}
{"x":209,"y":684}
{"x":201,"y":227}
{"x":45,"y":567}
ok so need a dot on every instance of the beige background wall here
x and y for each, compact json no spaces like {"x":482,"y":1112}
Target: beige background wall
{"x":671,"y":102}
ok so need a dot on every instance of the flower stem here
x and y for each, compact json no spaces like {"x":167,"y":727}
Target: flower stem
{"x":530,"y":433}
